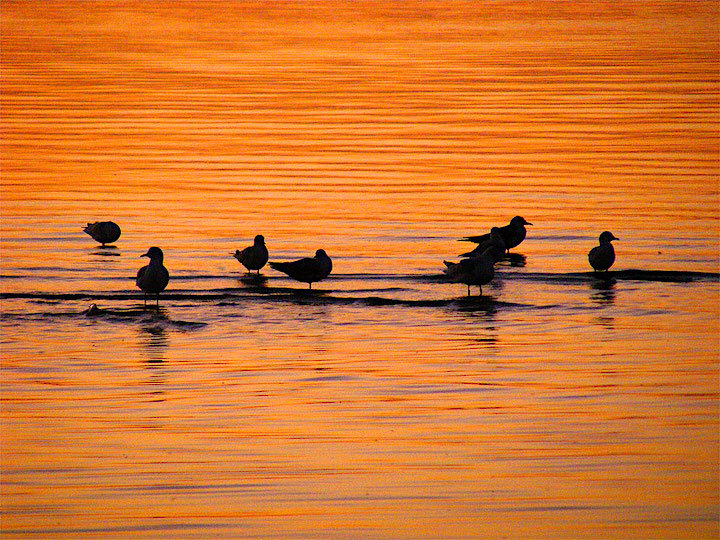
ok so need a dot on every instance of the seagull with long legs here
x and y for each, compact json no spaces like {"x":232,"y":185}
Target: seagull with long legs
{"x":478,"y":270}
{"x":154,"y":277}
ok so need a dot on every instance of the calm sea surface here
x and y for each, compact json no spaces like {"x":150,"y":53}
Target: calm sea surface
{"x":385,"y":403}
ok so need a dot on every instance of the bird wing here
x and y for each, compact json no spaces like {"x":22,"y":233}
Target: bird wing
{"x":301,"y":267}
{"x":476,"y":239}
{"x":140,"y":275}
{"x":242,"y":255}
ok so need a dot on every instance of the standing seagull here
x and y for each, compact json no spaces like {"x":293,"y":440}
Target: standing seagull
{"x":602,"y":257}
{"x":308,"y":270}
{"x":512,"y":234}
{"x":478,"y":270}
{"x":154,"y":277}
{"x":105,"y":232}
{"x":253,"y":257}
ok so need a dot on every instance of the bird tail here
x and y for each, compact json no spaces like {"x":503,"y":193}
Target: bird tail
{"x":475,"y":239}
{"x":278,"y":266}
{"x":450,"y":267}
{"x":89,"y":228}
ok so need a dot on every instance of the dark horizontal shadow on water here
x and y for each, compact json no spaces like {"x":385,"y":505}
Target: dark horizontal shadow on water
{"x":264,"y":293}
{"x":242,"y":487}
{"x":229,"y":297}
{"x":329,"y":378}
{"x":438,"y":390}
{"x":260,"y":281}
{"x":105,"y":251}
{"x":60,"y":297}
{"x":328,"y":297}
{"x":156,"y":316}
{"x":117,"y":529}
{"x":318,"y":297}
{"x":143,"y":314}
{"x":664,"y":276}
{"x":560,"y":508}
{"x":672,"y":276}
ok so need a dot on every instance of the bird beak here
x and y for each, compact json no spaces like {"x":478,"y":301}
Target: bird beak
{"x":528,"y":223}
{"x":144,"y":255}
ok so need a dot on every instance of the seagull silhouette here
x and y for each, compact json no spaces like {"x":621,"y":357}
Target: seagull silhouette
{"x":478,"y":270}
{"x":253,"y":257}
{"x":602,"y":257}
{"x":105,"y":232}
{"x":154,"y":277}
{"x":512,"y":233}
{"x":307,"y":270}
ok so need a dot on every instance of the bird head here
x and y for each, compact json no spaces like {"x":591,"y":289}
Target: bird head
{"x":154,"y":253}
{"x":606,"y":237}
{"x":519,"y":220}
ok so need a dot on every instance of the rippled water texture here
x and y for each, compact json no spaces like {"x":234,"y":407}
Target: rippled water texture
{"x":384,"y":403}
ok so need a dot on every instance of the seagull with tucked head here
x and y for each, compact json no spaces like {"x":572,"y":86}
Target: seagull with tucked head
{"x":105,"y":232}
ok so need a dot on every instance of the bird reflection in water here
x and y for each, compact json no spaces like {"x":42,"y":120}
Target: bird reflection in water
{"x":254,"y":281}
{"x":516,"y":260}
{"x":105,"y":251}
{"x":153,"y":338}
{"x":478,"y":314}
{"x":603,"y":290}
{"x":154,"y":341}
{"x":483,"y":306}
{"x":608,"y":323}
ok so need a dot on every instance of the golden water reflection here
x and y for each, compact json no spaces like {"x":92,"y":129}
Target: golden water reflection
{"x":386,"y":403}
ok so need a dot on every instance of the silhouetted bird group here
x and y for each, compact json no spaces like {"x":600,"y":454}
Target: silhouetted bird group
{"x":477,"y":267}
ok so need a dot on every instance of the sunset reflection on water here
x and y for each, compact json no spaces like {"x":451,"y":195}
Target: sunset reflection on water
{"x":384,"y":403}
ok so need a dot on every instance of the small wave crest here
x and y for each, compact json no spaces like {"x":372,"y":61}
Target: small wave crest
{"x":156,"y":316}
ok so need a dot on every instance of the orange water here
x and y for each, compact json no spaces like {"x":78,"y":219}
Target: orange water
{"x":386,"y":404}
